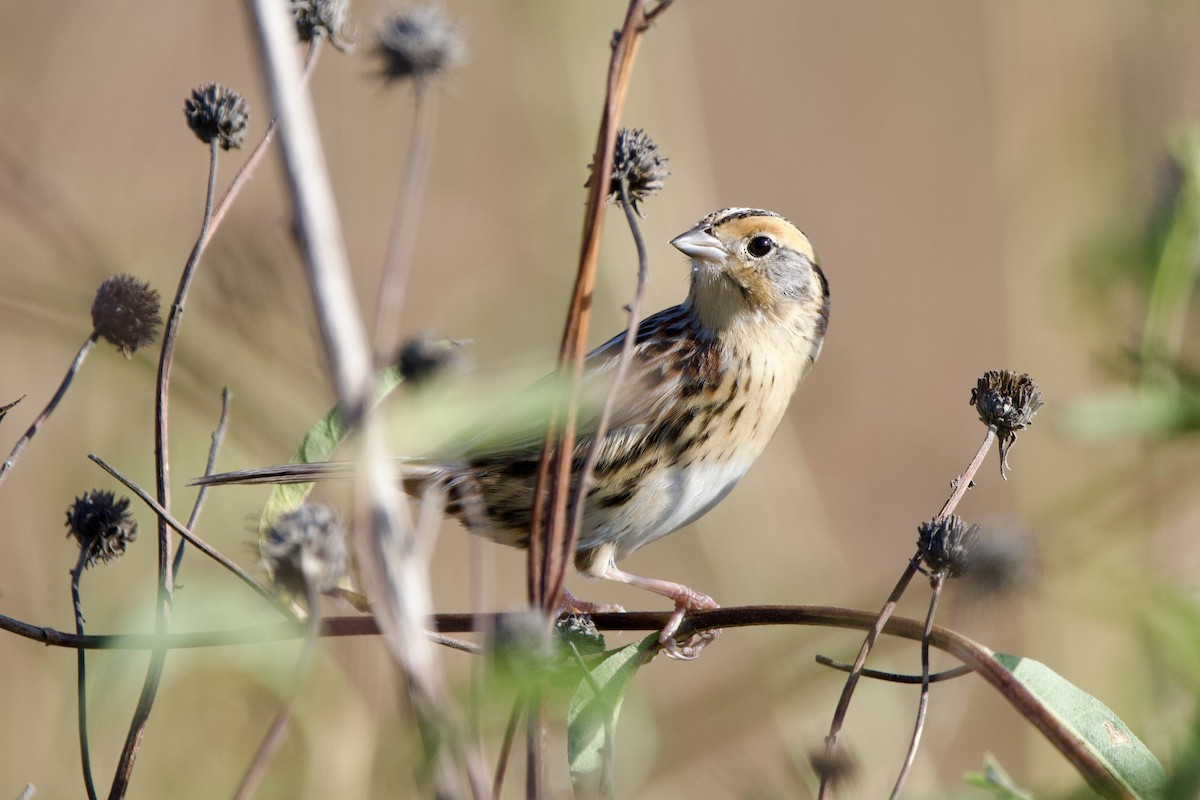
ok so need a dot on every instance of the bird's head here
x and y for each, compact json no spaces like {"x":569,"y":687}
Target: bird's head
{"x":753,"y":264}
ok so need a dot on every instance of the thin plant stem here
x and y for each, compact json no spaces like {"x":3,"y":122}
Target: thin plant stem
{"x":549,"y":511}
{"x":248,"y":166}
{"x":218,"y":435}
{"x":895,"y":677}
{"x":964,"y":481}
{"x":548,"y":559}
{"x":405,"y":223}
{"x":81,"y":674}
{"x":41,"y":418}
{"x":506,"y":745}
{"x":201,"y":545}
{"x":399,"y":588}
{"x":456,"y":644}
{"x":623,"y":360}
{"x":212,"y":218}
{"x":923,"y":703}
{"x":535,"y":750}
{"x":240,"y":179}
{"x":959,"y":488}
{"x":274,"y":737}
{"x":162,"y":475}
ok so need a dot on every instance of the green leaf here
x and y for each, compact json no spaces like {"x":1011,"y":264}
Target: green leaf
{"x":319,"y":444}
{"x":1094,"y":724}
{"x":996,"y":781}
{"x":592,"y":716}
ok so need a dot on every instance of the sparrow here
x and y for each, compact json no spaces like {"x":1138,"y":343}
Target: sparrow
{"x":707,"y":386}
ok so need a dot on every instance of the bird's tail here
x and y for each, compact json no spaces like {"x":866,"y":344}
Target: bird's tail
{"x":407,"y":469}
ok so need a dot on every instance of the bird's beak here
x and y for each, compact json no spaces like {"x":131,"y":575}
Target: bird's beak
{"x":700,"y":244}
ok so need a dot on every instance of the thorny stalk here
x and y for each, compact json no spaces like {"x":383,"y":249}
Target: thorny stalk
{"x":938,"y":580}
{"x":162,"y":474}
{"x":398,"y":262}
{"x":959,"y":488}
{"x":81,"y":674}
{"x":218,"y":435}
{"x":274,"y":737}
{"x":49,"y":409}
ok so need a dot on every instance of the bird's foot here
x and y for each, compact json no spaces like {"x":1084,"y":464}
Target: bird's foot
{"x":690,"y":648}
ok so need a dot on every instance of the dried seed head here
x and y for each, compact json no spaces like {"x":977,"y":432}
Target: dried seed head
{"x":521,"y":648}
{"x":419,"y":43}
{"x":946,"y":544}
{"x":423,"y":357}
{"x":125,"y":313}
{"x":1006,"y":402}
{"x":306,"y":547}
{"x":217,"y":113}
{"x":579,"y":630}
{"x":638,"y":165}
{"x":317,"y":18}
{"x":101,"y":525}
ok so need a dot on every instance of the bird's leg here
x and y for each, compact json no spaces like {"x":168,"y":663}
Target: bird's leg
{"x":685,"y":599}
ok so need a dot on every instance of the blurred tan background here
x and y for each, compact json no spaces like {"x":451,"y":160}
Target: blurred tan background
{"x":959,"y":166}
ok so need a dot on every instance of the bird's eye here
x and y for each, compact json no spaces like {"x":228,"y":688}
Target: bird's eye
{"x":760,"y":245}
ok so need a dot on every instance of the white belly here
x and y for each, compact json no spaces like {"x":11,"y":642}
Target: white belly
{"x":667,"y":500}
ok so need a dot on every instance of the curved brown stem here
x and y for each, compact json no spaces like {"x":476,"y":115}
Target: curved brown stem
{"x":979,"y":658}
{"x":162,"y":475}
{"x":895,"y":677}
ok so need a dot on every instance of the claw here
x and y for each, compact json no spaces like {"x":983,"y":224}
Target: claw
{"x":690,"y":649}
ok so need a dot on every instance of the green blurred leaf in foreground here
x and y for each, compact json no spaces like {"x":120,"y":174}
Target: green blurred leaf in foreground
{"x":592,"y":716}
{"x":1094,"y":724}
{"x":319,"y":444}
